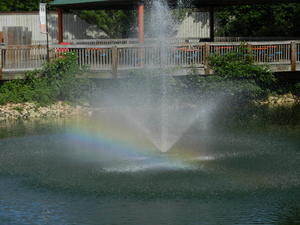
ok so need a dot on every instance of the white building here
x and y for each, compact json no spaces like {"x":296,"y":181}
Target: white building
{"x":195,"y":25}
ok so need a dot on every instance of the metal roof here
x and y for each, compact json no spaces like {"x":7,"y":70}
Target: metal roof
{"x":92,"y":4}
{"x":129,"y":3}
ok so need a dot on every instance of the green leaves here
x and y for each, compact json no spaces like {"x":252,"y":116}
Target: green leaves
{"x":55,"y":81}
{"x":20,"y":5}
{"x":240,"y":76}
{"x":115,"y":23}
{"x":240,"y":66}
{"x":260,"y":20}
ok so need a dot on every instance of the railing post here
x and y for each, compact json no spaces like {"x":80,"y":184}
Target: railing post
{"x":141,"y":56}
{"x":293,"y":56}
{"x":206,"y":62}
{"x":249,"y":49}
{"x":114,"y":64}
{"x":51,"y":54}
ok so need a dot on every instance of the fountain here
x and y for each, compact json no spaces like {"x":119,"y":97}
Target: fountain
{"x":148,"y":156}
{"x":167,"y":117}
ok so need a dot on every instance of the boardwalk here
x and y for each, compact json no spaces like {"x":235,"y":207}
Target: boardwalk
{"x":106,"y":61}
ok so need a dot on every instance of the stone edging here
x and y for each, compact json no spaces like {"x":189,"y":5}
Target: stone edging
{"x":14,"y":111}
{"x":281,"y":100}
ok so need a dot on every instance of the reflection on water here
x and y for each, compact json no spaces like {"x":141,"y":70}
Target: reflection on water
{"x":90,"y":171}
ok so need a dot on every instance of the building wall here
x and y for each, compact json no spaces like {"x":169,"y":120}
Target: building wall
{"x":196,"y":25}
{"x":74,"y":27}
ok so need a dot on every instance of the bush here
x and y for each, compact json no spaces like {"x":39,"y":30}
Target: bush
{"x":55,"y":81}
{"x":237,"y":75}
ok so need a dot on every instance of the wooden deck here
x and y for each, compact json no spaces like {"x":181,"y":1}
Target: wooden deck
{"x":117,"y":61}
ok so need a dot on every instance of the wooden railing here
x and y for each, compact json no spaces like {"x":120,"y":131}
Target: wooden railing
{"x":22,"y":58}
{"x":99,"y":57}
{"x":114,"y":58}
{"x":106,"y":41}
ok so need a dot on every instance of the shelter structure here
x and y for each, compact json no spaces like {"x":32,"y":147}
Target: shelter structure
{"x":118,"y":59}
{"x":100,"y":4}
{"x":140,"y":5}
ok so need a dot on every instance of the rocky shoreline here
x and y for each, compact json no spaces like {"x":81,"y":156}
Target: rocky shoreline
{"x":280,"y":100}
{"x":27,"y":111}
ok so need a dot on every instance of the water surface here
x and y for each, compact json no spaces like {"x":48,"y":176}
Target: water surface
{"x":241,"y":169}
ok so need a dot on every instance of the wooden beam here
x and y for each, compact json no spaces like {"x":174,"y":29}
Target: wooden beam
{"x":114,"y":63}
{"x":60,"y":26}
{"x":206,"y":62}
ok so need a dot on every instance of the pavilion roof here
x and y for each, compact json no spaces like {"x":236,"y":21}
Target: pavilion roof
{"x":129,"y":3}
{"x":91,"y":4}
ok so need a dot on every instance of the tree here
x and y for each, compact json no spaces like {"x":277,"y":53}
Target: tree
{"x":115,"y":23}
{"x":260,"y":20}
{"x":19,"y":5}
{"x":121,"y":23}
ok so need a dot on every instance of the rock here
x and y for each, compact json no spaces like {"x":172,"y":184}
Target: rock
{"x":290,"y":100}
{"x":31,"y":110}
{"x":280,"y":100}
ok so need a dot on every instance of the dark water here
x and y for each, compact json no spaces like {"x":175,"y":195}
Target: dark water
{"x":243,"y":169}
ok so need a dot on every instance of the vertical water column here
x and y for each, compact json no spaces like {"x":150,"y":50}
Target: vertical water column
{"x":161,"y":23}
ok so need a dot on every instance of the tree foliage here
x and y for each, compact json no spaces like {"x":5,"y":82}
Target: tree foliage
{"x":260,"y":20}
{"x":115,"y":23}
{"x":241,"y":66}
{"x":55,"y":81}
{"x":20,"y":5}
{"x":122,"y":23}
{"x":239,"y":76}
{"x":246,"y":20}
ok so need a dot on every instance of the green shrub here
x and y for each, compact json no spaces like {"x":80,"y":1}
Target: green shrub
{"x":55,"y":81}
{"x":15,"y":91}
{"x":237,"y":75}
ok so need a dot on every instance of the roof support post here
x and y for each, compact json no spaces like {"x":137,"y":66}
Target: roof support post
{"x":211,"y":23}
{"x":141,"y":9}
{"x":60,"y":25}
{"x":141,"y":33}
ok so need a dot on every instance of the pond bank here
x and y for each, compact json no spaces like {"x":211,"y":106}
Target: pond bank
{"x":28,"y":110}
{"x":280,"y":100}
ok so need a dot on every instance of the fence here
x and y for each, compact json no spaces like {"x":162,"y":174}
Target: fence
{"x":106,"y":41}
{"x":114,"y":58}
{"x":22,"y":58}
{"x":132,"y":56}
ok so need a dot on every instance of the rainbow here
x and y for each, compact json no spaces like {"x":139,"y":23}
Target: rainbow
{"x":116,"y":141}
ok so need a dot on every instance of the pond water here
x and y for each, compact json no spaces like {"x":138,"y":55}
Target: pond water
{"x":242,"y":169}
